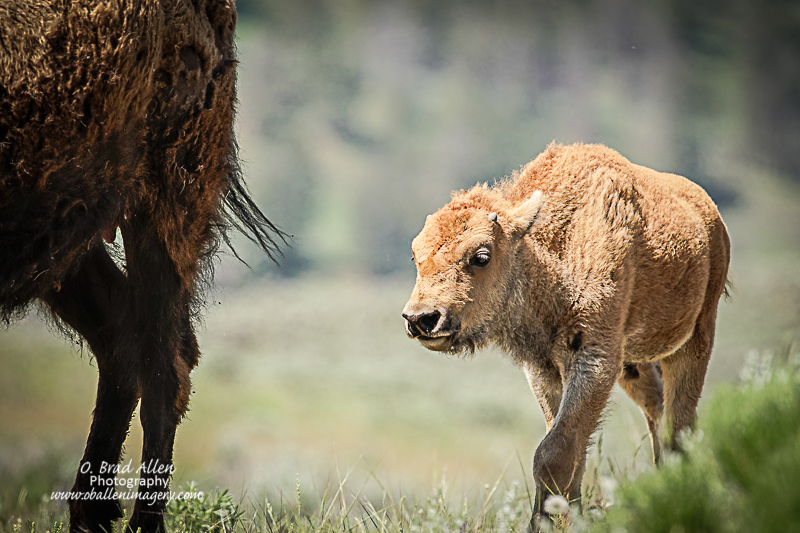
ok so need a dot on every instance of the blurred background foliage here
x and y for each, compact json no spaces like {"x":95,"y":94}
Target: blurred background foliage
{"x":356,"y":119}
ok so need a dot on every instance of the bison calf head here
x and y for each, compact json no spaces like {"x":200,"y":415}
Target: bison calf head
{"x":467,"y":269}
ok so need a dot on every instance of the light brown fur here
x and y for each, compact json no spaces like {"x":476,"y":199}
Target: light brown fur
{"x":617,"y":280}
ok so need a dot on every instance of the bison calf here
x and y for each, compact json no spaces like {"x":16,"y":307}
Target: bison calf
{"x":588,"y":270}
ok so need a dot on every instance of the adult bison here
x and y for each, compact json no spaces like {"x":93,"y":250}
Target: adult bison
{"x":119,"y":115}
{"x":588,"y":270}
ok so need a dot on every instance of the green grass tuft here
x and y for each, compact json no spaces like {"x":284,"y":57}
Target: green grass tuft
{"x":215,"y":513}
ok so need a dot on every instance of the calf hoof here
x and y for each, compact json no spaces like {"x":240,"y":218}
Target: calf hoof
{"x":554,"y":514}
{"x":540,"y":522}
{"x":94,"y":516}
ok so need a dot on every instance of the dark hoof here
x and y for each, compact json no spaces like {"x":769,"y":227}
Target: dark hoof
{"x":94,"y":516}
{"x":146,"y":522}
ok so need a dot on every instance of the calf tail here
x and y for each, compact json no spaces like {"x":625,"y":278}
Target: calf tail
{"x":728,"y":290}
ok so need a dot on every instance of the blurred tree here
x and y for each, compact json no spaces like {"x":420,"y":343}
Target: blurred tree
{"x":363,"y":115}
{"x":770,"y":46}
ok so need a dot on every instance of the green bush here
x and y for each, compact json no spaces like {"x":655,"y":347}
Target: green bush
{"x":740,"y":472}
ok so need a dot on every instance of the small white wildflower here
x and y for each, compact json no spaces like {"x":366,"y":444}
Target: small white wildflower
{"x":757,"y":367}
{"x":556,"y":504}
{"x":595,"y":514}
{"x":608,"y":485}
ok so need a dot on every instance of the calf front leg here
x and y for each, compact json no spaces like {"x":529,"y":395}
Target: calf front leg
{"x":560,"y":458}
{"x":545,"y":382}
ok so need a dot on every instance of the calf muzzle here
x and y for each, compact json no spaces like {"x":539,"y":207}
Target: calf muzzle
{"x":433,"y":327}
{"x":422,"y":324}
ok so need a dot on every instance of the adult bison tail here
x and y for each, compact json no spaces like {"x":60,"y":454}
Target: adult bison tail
{"x":240,"y":212}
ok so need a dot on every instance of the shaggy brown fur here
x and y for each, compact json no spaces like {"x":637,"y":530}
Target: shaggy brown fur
{"x":119,"y":114}
{"x":588,"y":270}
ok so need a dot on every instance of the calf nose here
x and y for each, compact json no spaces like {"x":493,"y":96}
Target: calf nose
{"x":427,"y":323}
{"x":421,"y":321}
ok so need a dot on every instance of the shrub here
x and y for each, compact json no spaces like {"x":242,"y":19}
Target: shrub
{"x":740,"y":472}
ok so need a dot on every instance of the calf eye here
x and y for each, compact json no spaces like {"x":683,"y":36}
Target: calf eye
{"x":481,"y":258}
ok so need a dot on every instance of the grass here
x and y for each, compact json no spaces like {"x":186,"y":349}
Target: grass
{"x":738,"y":472}
{"x":340,"y":508}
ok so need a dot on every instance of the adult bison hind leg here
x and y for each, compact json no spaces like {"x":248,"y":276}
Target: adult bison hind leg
{"x":90,"y":301}
{"x":161,"y":272}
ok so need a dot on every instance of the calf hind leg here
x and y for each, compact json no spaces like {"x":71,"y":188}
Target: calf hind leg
{"x":642,"y":382}
{"x":88,"y":302}
{"x":684,"y":373}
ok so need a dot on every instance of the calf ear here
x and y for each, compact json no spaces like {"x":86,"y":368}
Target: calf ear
{"x":523,"y":216}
